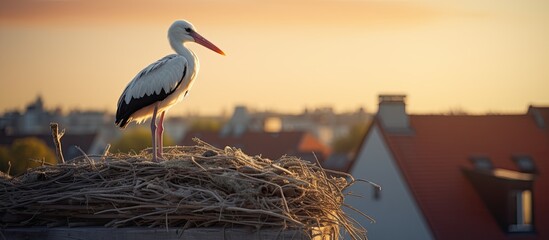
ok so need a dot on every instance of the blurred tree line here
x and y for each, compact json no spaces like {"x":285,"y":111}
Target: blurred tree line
{"x":350,"y":142}
{"x":137,"y":139}
{"x":25,"y":153}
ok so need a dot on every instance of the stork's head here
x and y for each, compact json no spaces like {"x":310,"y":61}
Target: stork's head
{"x":183,"y":31}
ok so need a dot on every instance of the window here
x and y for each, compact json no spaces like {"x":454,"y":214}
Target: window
{"x":522,"y":214}
{"x":509,"y":197}
{"x":482,"y":163}
{"x":525,"y":163}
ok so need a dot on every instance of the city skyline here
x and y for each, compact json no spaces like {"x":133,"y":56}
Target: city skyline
{"x":474,"y":56}
{"x":42,"y":104}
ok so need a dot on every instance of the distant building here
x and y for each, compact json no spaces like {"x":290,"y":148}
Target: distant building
{"x":323,"y":123}
{"x":30,"y":121}
{"x":454,"y":176}
{"x":36,"y":120}
{"x":241,"y":122}
{"x":86,"y":121}
{"x":89,"y":130}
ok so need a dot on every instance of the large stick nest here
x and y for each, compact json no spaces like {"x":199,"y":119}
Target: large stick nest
{"x":197,"y":186}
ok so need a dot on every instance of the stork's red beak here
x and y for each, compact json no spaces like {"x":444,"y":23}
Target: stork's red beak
{"x":204,"y":42}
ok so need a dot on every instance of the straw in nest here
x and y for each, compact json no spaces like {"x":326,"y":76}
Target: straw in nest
{"x":197,"y":186}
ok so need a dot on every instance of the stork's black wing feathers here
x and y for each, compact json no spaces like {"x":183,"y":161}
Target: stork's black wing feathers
{"x":125,"y":110}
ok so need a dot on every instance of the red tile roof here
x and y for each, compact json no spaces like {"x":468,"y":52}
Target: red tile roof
{"x":269,"y":145}
{"x":432,"y":156}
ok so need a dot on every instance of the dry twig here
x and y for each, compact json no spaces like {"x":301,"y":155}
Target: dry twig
{"x":57,"y":141}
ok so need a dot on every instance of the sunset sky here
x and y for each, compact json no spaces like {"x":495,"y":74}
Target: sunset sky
{"x":474,"y":55}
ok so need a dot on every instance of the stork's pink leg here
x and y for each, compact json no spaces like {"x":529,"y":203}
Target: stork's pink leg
{"x":153,"y":133}
{"x":160,"y":132}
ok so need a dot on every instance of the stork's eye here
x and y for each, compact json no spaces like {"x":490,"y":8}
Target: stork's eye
{"x":188,"y":30}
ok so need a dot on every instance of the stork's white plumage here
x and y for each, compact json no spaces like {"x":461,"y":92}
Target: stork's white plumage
{"x":162,"y":84}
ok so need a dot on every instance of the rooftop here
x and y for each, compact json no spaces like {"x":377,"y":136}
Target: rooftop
{"x":432,"y":156}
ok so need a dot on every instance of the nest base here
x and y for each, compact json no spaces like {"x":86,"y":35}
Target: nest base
{"x":330,"y":233}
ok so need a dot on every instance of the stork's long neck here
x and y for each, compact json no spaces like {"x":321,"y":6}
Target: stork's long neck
{"x":180,"y":49}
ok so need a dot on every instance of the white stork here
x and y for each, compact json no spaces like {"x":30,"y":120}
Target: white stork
{"x":162,"y":84}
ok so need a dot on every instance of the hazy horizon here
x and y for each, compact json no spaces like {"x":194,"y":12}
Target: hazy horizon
{"x":476,"y":56}
{"x":253,"y":109}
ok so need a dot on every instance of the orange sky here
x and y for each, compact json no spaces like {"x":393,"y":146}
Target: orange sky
{"x":479,"y":56}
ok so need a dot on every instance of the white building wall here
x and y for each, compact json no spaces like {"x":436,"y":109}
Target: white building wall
{"x":396,"y":213}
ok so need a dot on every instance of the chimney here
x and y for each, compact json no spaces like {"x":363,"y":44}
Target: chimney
{"x":392,"y":113}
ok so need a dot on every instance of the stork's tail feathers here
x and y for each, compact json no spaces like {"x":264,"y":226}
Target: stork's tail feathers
{"x":122,"y":122}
